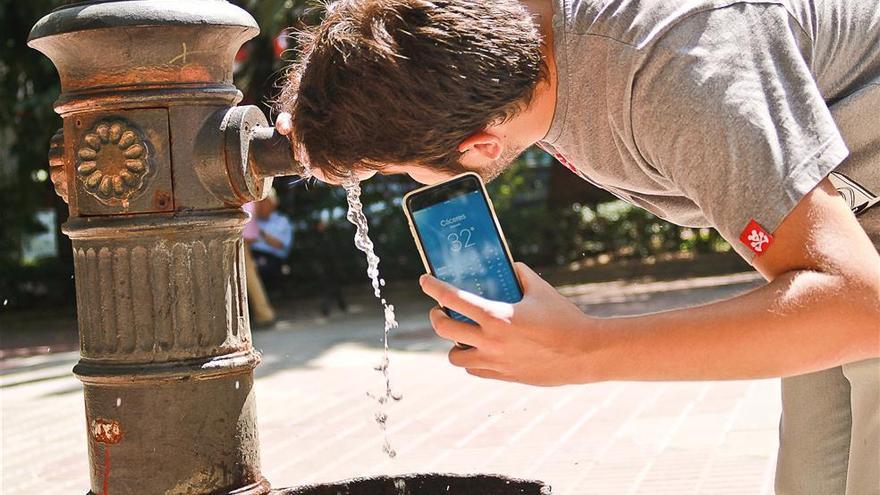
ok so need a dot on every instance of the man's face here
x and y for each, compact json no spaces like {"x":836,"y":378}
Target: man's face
{"x":488,"y":169}
{"x":424,"y":174}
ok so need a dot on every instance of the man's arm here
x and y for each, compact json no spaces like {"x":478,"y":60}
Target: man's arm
{"x":271,"y":240}
{"x":282,"y":236}
{"x":820,"y":309}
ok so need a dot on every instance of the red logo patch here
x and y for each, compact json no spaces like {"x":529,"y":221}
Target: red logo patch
{"x":756,"y":238}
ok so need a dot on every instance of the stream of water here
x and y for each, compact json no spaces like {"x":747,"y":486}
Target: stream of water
{"x":362,"y":241}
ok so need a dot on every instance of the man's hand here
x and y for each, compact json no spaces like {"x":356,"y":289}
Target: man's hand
{"x":541,"y":340}
{"x":819,"y":310}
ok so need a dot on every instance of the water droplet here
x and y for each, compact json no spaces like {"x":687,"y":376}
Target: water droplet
{"x":392,"y":454}
{"x":118,"y":401}
{"x":237,"y":385}
{"x":5,"y":302}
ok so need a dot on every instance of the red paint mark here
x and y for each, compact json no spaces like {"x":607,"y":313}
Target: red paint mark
{"x":107,"y":432}
{"x":106,"y":470}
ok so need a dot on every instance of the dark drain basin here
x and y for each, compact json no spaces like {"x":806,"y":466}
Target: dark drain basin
{"x":426,"y":484}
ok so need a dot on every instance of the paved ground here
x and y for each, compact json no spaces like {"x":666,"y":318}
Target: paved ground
{"x":316,"y":420}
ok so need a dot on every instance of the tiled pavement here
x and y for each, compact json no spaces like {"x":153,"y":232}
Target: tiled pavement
{"x":316,"y":422}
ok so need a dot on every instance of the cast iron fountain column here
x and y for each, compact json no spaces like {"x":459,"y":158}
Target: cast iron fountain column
{"x":155,"y":162}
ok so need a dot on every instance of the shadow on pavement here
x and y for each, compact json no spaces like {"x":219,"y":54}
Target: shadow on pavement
{"x":303,"y":335}
{"x":298,"y":341}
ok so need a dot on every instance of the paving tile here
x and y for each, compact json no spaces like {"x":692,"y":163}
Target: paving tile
{"x":317,"y":422}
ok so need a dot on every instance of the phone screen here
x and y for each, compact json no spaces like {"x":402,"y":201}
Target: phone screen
{"x":463,"y":245}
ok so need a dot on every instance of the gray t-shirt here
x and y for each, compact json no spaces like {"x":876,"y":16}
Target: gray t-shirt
{"x":717,"y":113}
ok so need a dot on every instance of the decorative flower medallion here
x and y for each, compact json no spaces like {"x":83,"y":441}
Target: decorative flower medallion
{"x":111,"y":161}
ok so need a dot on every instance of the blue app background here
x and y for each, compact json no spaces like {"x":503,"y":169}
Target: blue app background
{"x":462,"y":244}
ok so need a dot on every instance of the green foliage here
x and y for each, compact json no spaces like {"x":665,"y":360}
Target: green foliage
{"x":261,"y":74}
{"x":28,"y":87}
{"x":543,"y":233}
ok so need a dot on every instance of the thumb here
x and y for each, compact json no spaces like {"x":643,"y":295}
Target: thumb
{"x":527,"y":277}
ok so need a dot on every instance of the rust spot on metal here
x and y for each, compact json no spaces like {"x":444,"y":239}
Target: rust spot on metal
{"x":56,"y":164}
{"x":106,"y":431}
{"x":191,"y":72}
{"x":162,"y":200}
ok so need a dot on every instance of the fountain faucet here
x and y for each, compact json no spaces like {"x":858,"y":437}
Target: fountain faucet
{"x":155,"y":160}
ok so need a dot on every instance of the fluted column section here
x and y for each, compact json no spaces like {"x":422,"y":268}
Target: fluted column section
{"x":150,"y":288}
{"x":165,"y":341}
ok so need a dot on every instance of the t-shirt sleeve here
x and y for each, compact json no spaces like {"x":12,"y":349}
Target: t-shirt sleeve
{"x":725,"y":107}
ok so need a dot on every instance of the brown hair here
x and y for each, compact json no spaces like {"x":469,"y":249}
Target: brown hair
{"x":405,"y":81}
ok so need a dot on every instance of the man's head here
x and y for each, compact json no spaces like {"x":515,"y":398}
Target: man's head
{"x":429,"y":88}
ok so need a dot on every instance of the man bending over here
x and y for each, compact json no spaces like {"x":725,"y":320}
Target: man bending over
{"x":758,"y":118}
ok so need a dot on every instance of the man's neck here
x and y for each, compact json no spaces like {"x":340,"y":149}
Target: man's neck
{"x":543,"y":104}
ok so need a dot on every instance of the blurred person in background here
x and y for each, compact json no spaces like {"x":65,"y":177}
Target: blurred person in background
{"x":261,"y":309}
{"x":274,"y":239}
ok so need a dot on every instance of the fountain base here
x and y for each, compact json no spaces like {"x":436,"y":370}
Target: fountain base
{"x":425,"y":484}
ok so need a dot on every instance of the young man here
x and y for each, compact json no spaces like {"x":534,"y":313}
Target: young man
{"x":731,"y":114}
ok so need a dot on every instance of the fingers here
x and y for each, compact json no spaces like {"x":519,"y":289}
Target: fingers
{"x":284,"y":123}
{"x":489,"y":374}
{"x":456,"y":331}
{"x":474,"y":363}
{"x":468,"y":358}
{"x":470,"y":305}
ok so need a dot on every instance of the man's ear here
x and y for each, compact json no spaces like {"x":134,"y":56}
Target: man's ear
{"x":480,"y":147}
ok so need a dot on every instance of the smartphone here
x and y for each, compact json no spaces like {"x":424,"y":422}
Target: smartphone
{"x":460,"y":241}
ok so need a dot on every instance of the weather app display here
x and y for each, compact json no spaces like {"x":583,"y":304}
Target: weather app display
{"x":463,"y":247}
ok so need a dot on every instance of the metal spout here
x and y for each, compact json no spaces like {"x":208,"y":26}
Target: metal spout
{"x":271,"y":155}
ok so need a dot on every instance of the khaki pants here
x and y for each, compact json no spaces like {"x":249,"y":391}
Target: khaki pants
{"x":261,"y":308}
{"x":829,"y":434}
